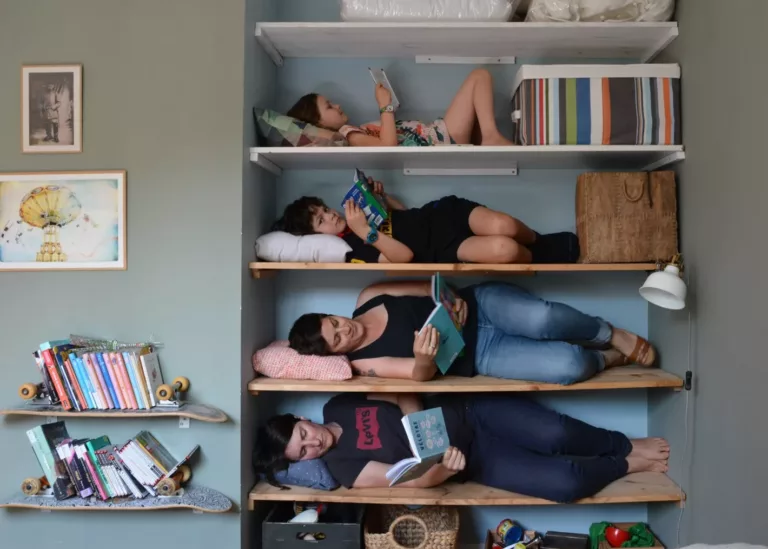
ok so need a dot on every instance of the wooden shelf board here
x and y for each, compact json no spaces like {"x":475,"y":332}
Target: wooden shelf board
{"x":469,"y":157}
{"x":636,"y":41}
{"x":634,"y":488}
{"x":261,"y":267}
{"x":196,"y":498}
{"x":615,"y":378}
{"x":199,"y":412}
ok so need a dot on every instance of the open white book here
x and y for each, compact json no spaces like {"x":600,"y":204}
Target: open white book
{"x":428,"y":439}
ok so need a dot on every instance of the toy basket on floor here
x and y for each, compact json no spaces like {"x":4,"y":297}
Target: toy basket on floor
{"x":397,"y":527}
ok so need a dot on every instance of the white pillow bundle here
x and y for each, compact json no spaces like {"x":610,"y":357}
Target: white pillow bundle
{"x":313,"y":248}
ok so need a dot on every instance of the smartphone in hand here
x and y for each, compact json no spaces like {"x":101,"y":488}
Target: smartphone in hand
{"x":380,"y":77}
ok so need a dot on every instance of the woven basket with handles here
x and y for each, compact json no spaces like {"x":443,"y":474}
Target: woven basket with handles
{"x":397,"y":527}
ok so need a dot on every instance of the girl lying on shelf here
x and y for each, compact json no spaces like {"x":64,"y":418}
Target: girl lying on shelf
{"x":449,"y":230}
{"x":508,"y":333}
{"x":468,"y":120}
{"x":539,"y":453}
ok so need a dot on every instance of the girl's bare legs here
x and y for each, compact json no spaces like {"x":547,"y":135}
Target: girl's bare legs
{"x":474,"y":102}
{"x":493,"y":249}
{"x":486,"y":222}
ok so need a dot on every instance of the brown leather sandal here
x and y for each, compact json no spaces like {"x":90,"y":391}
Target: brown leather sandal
{"x":643,"y":354}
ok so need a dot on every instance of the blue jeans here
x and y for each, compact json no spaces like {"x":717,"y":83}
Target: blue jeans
{"x":538,"y":452}
{"x":520,"y":336}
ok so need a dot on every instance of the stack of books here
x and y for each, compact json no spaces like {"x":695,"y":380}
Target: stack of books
{"x":90,"y":376}
{"x":97,"y":468}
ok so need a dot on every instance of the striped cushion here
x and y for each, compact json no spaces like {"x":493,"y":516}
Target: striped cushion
{"x":598,"y":111}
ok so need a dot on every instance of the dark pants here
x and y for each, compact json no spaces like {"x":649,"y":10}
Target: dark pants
{"x":524,"y":447}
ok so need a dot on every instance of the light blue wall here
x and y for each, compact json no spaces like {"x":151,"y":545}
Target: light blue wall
{"x":543,"y":199}
{"x":163,"y":93}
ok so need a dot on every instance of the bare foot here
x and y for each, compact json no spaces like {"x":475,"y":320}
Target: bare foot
{"x":496,"y":141}
{"x":650,"y":448}
{"x":640,"y":464}
{"x":627,"y":344}
{"x":612,"y":358}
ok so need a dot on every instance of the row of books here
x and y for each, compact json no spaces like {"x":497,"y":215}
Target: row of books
{"x":87,"y":378}
{"x":97,"y":468}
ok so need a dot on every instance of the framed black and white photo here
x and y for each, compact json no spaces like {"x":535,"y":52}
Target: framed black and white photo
{"x":52,"y":108}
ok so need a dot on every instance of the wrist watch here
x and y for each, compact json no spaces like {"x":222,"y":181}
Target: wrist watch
{"x":388,"y":108}
{"x":373,"y":236}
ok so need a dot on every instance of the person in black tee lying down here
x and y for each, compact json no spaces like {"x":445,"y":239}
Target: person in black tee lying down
{"x":448,"y":230}
{"x":504,"y":441}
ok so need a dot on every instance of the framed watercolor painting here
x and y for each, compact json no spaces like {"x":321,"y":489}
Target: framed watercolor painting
{"x":62,"y":221}
{"x":52,"y":108}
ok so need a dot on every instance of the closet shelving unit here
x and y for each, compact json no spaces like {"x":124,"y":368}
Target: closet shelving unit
{"x":468,"y":43}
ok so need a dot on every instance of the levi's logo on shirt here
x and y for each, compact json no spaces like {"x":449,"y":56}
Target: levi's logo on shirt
{"x":367,"y":424}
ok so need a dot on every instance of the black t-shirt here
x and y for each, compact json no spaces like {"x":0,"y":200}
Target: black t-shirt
{"x":411,"y":227}
{"x":406,"y":315}
{"x":372,"y":431}
{"x":433,"y":232}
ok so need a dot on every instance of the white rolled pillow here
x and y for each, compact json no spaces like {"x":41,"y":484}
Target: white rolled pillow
{"x":314,"y":248}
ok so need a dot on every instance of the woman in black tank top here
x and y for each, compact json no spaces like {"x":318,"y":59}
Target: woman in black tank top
{"x":508,"y":333}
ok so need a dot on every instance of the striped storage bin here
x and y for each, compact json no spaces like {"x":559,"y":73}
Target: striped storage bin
{"x":597,"y":105}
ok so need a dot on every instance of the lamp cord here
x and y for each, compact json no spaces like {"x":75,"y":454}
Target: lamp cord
{"x":687,"y":425}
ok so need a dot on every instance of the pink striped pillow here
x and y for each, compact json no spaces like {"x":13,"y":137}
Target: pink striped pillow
{"x":280,"y":361}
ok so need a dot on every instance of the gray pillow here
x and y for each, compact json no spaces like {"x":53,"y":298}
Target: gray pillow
{"x":312,"y":473}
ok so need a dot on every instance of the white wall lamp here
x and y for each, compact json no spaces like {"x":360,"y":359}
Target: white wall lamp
{"x":665,"y":288}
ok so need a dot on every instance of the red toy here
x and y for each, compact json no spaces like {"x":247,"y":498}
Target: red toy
{"x":616,"y":536}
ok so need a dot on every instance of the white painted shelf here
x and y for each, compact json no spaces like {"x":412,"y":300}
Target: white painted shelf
{"x":636,"y":41}
{"x":467,"y":158}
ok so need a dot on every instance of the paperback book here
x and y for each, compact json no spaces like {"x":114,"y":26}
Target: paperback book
{"x":362,"y":194}
{"x":445,"y":320}
{"x":428,"y":439}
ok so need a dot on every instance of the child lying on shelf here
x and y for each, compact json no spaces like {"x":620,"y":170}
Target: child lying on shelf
{"x":508,"y":333}
{"x":468,"y":120}
{"x":449,"y":230}
{"x":539,"y":452}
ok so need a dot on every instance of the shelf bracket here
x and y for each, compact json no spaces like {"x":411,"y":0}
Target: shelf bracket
{"x":451,"y":60}
{"x":267,"y":164}
{"x":512,"y":170}
{"x":269,"y":47}
{"x":666,"y":161}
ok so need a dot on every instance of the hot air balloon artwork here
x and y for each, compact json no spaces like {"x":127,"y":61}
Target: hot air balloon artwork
{"x":62,"y":221}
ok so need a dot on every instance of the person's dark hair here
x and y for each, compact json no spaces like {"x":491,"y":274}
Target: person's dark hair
{"x":297,"y":217}
{"x":271,"y":442}
{"x":306,"y":110}
{"x":305,"y":336}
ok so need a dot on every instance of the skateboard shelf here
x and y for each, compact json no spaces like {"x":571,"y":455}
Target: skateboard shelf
{"x":196,"y":498}
{"x":265,"y":268}
{"x":615,"y":378}
{"x":199,"y":412}
{"x":635,"y":41}
{"x":635,"y":488}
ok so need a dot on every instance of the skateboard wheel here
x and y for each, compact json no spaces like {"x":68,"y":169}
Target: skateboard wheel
{"x":164,"y":392}
{"x":167,"y":487}
{"x":186,"y":473}
{"x":28,"y":391}
{"x":182,"y":384}
{"x":31,"y":486}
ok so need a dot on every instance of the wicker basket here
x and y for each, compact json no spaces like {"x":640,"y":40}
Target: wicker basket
{"x":397,"y":527}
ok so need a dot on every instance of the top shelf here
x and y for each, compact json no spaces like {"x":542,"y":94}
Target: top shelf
{"x":631,"y":41}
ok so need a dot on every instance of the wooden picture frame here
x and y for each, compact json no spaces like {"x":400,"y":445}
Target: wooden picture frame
{"x":63,"y":221}
{"x":51,"y":109}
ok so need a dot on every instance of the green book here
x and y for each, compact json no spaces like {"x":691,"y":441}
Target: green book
{"x":97,"y":444}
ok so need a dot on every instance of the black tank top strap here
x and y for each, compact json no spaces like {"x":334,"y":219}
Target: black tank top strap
{"x":370,"y":304}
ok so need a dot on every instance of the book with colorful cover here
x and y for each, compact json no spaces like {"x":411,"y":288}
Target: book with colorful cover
{"x":53,"y":372}
{"x":83,"y":380}
{"x":130,"y":382}
{"x":93,"y":446}
{"x":44,"y":440}
{"x":362,"y":194}
{"x":428,"y":439}
{"x":98,"y":361}
{"x":114,"y":381}
{"x":445,"y":320}
{"x":60,"y":351}
{"x":47,"y":381}
{"x":95,"y":378}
